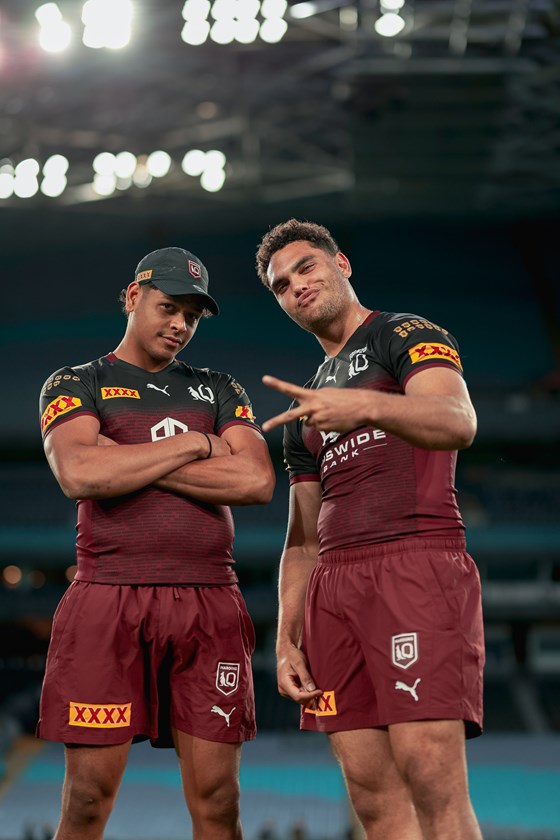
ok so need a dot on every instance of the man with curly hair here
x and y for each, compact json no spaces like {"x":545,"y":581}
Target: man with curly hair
{"x":380,"y":634}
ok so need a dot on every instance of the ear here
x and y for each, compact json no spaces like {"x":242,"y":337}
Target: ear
{"x":133,"y":293}
{"x":344,"y":265}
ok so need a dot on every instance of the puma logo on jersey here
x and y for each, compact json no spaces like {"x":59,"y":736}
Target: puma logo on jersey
{"x":410,"y":688}
{"x":155,"y":388}
{"x":226,"y":715}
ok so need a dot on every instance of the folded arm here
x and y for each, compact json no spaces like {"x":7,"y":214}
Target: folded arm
{"x":85,"y":470}
{"x":245,"y":476}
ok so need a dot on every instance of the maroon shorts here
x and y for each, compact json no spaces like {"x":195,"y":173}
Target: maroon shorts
{"x":394,"y":633}
{"x":133,"y":661}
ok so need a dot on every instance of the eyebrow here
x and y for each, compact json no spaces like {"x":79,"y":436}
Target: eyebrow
{"x":292,"y":268}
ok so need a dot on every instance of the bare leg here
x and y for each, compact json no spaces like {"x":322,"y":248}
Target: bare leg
{"x":91,"y":783}
{"x":431,"y":758}
{"x":376,"y":789}
{"x":210,"y":774}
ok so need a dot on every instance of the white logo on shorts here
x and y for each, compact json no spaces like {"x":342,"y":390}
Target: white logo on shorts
{"x":226,"y":715}
{"x":404,"y":649}
{"x":227,"y":677}
{"x":409,"y":688}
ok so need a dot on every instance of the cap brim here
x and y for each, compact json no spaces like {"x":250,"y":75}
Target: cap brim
{"x":178,"y":287}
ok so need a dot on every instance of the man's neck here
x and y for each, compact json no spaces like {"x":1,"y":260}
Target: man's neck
{"x":335,"y":337}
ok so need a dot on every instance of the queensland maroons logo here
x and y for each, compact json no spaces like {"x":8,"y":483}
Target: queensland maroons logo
{"x":404,"y":649}
{"x":227,"y":677}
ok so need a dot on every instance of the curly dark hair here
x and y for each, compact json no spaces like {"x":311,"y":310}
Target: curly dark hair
{"x":292,"y":231}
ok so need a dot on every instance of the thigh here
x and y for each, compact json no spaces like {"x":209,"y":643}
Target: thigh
{"x":211,"y":679}
{"x":91,"y":769}
{"x":365,"y":757}
{"x":207,"y":767}
{"x":431,"y":753}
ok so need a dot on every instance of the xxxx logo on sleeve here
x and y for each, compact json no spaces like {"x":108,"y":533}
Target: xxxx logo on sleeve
{"x":62,"y":405}
{"x":106,"y":716}
{"x":325,"y":705}
{"x":245,"y":412}
{"x":111,"y":393}
{"x":421,"y":352}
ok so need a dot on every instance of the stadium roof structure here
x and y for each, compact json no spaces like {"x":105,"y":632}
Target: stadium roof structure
{"x":459,"y":113}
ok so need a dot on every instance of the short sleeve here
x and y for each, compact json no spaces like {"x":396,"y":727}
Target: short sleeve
{"x":233,"y":405}
{"x":65,"y":395}
{"x":408,"y":343}
{"x":300,"y":462}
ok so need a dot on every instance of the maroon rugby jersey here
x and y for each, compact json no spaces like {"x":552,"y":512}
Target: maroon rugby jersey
{"x":376,"y":487}
{"x":150,"y":536}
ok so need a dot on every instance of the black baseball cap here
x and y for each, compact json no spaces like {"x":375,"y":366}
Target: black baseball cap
{"x":175,"y":271}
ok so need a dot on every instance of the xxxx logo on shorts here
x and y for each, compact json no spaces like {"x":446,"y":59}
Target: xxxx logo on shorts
{"x":111,"y":393}
{"x":325,"y":705}
{"x":421,"y":352}
{"x":106,"y":716}
{"x":62,"y":405}
{"x":245,"y":412}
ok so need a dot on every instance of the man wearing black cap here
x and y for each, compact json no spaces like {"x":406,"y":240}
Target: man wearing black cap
{"x":152,"y":638}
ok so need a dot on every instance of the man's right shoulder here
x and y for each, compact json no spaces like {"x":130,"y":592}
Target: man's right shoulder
{"x":73,"y":373}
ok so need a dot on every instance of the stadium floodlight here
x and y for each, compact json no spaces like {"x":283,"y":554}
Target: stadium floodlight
{"x":303,"y":10}
{"x":273,"y":30}
{"x":26,"y":185}
{"x":6,"y":185}
{"x":389,"y":25}
{"x":224,"y":9}
{"x":48,"y":13}
{"x":25,"y":178}
{"x":54,"y":185}
{"x":214,"y":159}
{"x":104,"y":163}
{"x":222,"y":31}
{"x":123,"y":184}
{"x":212,"y":180}
{"x":158,"y":164}
{"x":247,"y":9}
{"x":56,"y":165}
{"x":55,"y":34}
{"x":391,"y":5}
{"x":196,"y":9}
{"x":273,"y":8}
{"x":142,"y":177}
{"x":104,"y":184}
{"x":195,"y":32}
{"x":125,"y":164}
{"x":193,"y":162}
{"x":246,"y":31}
{"x":107,"y":23}
{"x":28,"y":168}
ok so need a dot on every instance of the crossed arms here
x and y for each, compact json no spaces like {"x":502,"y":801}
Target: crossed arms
{"x":239,"y":472}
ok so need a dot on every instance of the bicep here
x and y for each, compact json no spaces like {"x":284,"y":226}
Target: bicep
{"x":438,"y":382}
{"x":242,"y":440}
{"x":63,"y":441}
{"x":305,"y":504}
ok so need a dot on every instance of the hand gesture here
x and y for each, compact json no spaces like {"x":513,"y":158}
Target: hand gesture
{"x":327,"y":409}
